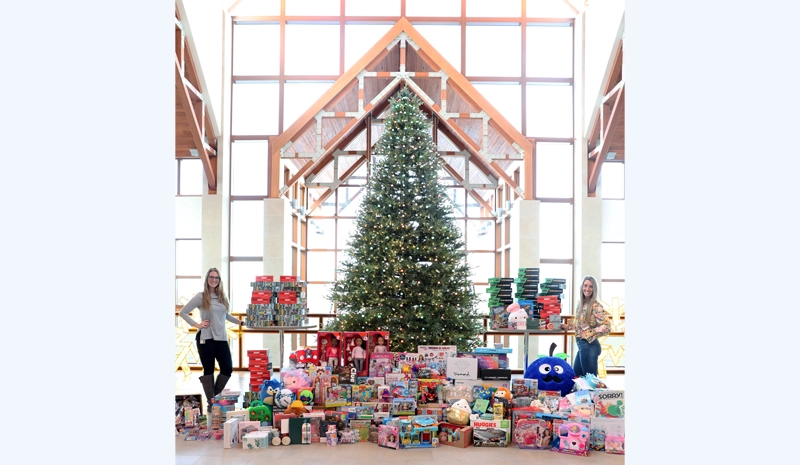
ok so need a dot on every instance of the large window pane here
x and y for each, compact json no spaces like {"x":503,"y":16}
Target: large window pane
{"x":249,"y":168}
{"x":188,"y":257}
{"x":505,"y":98}
{"x":553,"y":170}
{"x":256,"y":49}
{"x":549,"y":51}
{"x":445,"y":38}
{"x":317,"y":298}
{"x":191,"y":177}
{"x":188,"y":217}
{"x":298,"y":97}
{"x":549,"y":9}
{"x":239,"y":290}
{"x":321,"y":266}
{"x":349,"y":199}
{"x":321,"y":234}
{"x":613,"y":221}
{"x":186,"y":288}
{"x":481,"y":265}
{"x":257,"y":8}
{"x":324,"y":48}
{"x":480,"y":235}
{"x":247,"y":228}
{"x":359,"y":38}
{"x":549,"y":110}
{"x":610,"y":291}
{"x":493,"y":50}
{"x":315,"y":7}
{"x":372,"y":8}
{"x":612,"y":180}
{"x":493,"y":9}
{"x":254,"y":108}
{"x":429,"y":8}
{"x":345,"y":228}
{"x":555,"y":230}
{"x":457,"y":196}
{"x":612,"y":265}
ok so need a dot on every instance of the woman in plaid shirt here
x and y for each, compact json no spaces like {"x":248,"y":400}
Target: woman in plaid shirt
{"x":591,"y":322}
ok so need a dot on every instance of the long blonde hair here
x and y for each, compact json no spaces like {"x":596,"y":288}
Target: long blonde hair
{"x":586,"y":316}
{"x":207,"y":291}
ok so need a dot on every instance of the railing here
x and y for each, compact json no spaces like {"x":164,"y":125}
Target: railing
{"x":505,"y":334}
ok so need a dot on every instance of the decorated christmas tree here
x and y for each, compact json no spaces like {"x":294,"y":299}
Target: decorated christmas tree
{"x":406,"y":269}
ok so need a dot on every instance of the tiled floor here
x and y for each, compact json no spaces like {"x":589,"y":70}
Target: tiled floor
{"x":210,"y":452}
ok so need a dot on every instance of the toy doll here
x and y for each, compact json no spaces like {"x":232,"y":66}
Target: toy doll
{"x":359,"y":354}
{"x":332,"y":354}
{"x":380,"y":345}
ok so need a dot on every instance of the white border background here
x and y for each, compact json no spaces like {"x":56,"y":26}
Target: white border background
{"x":88,"y":182}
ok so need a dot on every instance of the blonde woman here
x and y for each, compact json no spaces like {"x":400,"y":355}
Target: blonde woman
{"x":591,"y":322}
{"x":212,"y":338}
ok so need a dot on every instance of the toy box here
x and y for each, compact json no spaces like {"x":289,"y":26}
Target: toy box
{"x":490,"y":433}
{"x":455,"y":435}
{"x":519,"y":414}
{"x":462,"y":368}
{"x":404,"y":406}
{"x":609,"y":403}
{"x":361,"y":393}
{"x":354,"y":351}
{"x":407,"y":363}
{"x":435,"y":358}
{"x":573,"y":438}
{"x":388,"y":436}
{"x":380,"y":364}
{"x":531,"y":433}
{"x":338,"y":395}
{"x":615,"y":445}
{"x":230,"y":430}
{"x":361,"y":428}
{"x":330,"y":352}
{"x":378,"y":342}
{"x":315,"y":421}
{"x":430,"y":391}
{"x":256,"y":440}
{"x":524,"y":387}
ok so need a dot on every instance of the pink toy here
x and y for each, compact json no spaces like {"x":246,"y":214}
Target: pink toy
{"x":615,"y":445}
{"x":573,"y":438}
{"x":295,"y":380}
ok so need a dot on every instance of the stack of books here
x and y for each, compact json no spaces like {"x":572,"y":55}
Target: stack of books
{"x":527,"y":282}
{"x":500,"y":292}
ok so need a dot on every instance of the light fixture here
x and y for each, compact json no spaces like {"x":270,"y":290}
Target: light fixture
{"x":194,"y":152}
{"x":611,"y":155}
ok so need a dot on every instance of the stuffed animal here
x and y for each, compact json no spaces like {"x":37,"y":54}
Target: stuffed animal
{"x":517,"y":319}
{"x":268,"y":390}
{"x":459,"y":413}
{"x":553,"y":373}
{"x":306,"y":396}
{"x":297,"y":408}
{"x":295,"y":380}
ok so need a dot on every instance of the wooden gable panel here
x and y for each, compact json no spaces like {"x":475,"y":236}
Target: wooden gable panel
{"x":417,"y":63}
{"x":457,"y":104}
{"x":331,"y":127}
{"x":473,"y":128}
{"x":348,"y":101}
{"x":432,"y":86}
{"x":306,"y":143}
{"x":390,"y":62}
{"x":476,"y":175}
{"x":457,"y":163}
{"x":497,"y":144}
{"x":445,"y":144}
{"x":374,"y":86}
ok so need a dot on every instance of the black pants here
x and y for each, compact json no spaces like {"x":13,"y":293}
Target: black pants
{"x":215,"y":350}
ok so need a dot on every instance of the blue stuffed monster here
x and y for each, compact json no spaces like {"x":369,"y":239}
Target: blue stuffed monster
{"x":553,"y":372}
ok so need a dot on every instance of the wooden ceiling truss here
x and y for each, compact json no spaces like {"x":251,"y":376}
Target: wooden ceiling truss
{"x":194,"y":133}
{"x":607,"y":137}
{"x":347,"y":121}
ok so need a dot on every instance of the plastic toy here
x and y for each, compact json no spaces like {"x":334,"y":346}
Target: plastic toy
{"x":259,"y":412}
{"x":552,"y":372}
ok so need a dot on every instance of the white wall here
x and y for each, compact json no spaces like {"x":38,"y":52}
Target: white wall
{"x":604,"y":23}
{"x":203,"y":22}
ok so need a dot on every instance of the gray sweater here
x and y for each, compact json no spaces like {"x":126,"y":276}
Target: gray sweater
{"x":216,"y":315}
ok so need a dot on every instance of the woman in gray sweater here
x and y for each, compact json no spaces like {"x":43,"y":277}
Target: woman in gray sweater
{"x":212,"y":338}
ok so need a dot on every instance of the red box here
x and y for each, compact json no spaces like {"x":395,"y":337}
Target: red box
{"x":264,"y":279}
{"x":287,"y":301}
{"x":289,"y":279}
{"x":349,"y":340}
{"x":254,"y":352}
{"x":324,"y":340}
{"x":287,"y":294}
{"x":262,"y":294}
{"x":259,"y":300}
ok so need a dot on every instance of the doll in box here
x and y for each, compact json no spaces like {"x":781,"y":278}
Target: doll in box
{"x":380,"y":345}
{"x":332,"y":354}
{"x":359,"y":354}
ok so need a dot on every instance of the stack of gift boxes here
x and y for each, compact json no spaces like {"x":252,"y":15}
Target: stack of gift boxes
{"x":281,"y":303}
{"x":259,"y":367}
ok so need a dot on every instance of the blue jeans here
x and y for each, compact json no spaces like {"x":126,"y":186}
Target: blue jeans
{"x":586,"y":360}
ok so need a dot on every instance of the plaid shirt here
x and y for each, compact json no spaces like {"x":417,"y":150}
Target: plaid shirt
{"x":599,"y":325}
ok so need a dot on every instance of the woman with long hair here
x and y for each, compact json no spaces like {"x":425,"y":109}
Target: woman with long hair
{"x":212,"y":338}
{"x":591,"y":322}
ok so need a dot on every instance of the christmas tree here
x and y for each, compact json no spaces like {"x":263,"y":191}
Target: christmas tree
{"x":406,"y":271}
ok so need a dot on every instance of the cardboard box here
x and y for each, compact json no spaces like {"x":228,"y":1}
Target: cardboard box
{"x":256,"y":440}
{"x":479,"y":382}
{"x":495,"y":374}
{"x":462,"y":368}
{"x":455,"y":435}
{"x":490,"y":433}
{"x":230,"y":433}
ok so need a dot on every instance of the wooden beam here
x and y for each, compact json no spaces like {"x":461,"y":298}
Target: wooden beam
{"x":504,"y":175}
{"x":274,"y":160}
{"x":530,"y":173}
{"x":183,"y":94}
{"x":613,"y":123}
{"x":299,"y":174}
{"x":475,"y":195}
{"x":319,"y":201}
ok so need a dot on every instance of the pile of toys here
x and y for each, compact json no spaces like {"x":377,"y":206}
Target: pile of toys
{"x":435,"y":396}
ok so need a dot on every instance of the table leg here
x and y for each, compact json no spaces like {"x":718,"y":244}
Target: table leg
{"x":525,"y":345}
{"x":280,"y":345}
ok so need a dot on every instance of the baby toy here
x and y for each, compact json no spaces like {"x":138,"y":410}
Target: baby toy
{"x":553,"y":373}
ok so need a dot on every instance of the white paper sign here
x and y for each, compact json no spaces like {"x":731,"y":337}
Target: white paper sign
{"x":462,"y":368}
